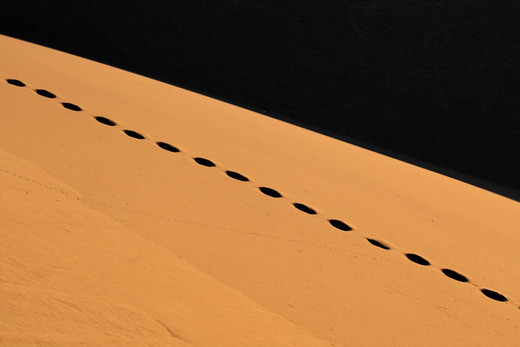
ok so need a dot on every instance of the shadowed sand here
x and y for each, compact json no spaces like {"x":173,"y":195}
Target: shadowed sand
{"x":137,"y":211}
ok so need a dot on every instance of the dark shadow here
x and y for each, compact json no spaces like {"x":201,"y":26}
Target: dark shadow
{"x":105,"y":121}
{"x":237,"y":176}
{"x":304,"y":208}
{"x":454,"y":275}
{"x":15,"y":82}
{"x":417,"y":259}
{"x":45,"y":93}
{"x":493,"y":295}
{"x":204,"y":162}
{"x":339,"y":225}
{"x":133,"y":134}
{"x":270,"y":192}
{"x":168,"y":147}
{"x":71,"y":107}
{"x":378,"y":244}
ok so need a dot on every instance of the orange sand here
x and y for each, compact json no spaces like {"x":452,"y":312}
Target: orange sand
{"x":108,"y":239}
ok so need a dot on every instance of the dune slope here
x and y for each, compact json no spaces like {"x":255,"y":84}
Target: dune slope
{"x":72,"y":275}
{"x":306,"y":233}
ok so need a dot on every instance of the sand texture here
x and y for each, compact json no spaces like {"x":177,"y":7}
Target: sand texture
{"x":133,"y":212}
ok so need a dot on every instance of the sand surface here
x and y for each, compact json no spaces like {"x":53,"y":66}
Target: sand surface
{"x":110,"y":239}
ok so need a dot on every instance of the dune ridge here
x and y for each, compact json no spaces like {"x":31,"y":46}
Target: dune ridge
{"x":295,"y":263}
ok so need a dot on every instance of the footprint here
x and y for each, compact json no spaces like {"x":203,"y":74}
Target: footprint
{"x":105,"y":121}
{"x":70,"y":106}
{"x":304,"y":208}
{"x":417,"y":259}
{"x":378,"y":244}
{"x":454,"y":275}
{"x":133,"y":134}
{"x":270,"y":192}
{"x":168,"y":147}
{"x":45,"y":93}
{"x":15,"y":82}
{"x":493,"y":295}
{"x":204,"y":162}
{"x":339,"y":225}
{"x":237,"y":176}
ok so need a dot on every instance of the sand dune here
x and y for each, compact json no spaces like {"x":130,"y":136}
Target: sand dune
{"x":134,"y":211}
{"x":73,"y":275}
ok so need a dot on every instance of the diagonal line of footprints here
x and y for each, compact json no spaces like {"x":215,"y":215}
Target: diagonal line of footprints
{"x":335,"y":223}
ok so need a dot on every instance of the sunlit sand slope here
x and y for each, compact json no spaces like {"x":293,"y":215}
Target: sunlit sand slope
{"x":72,"y":275}
{"x":257,"y":225}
